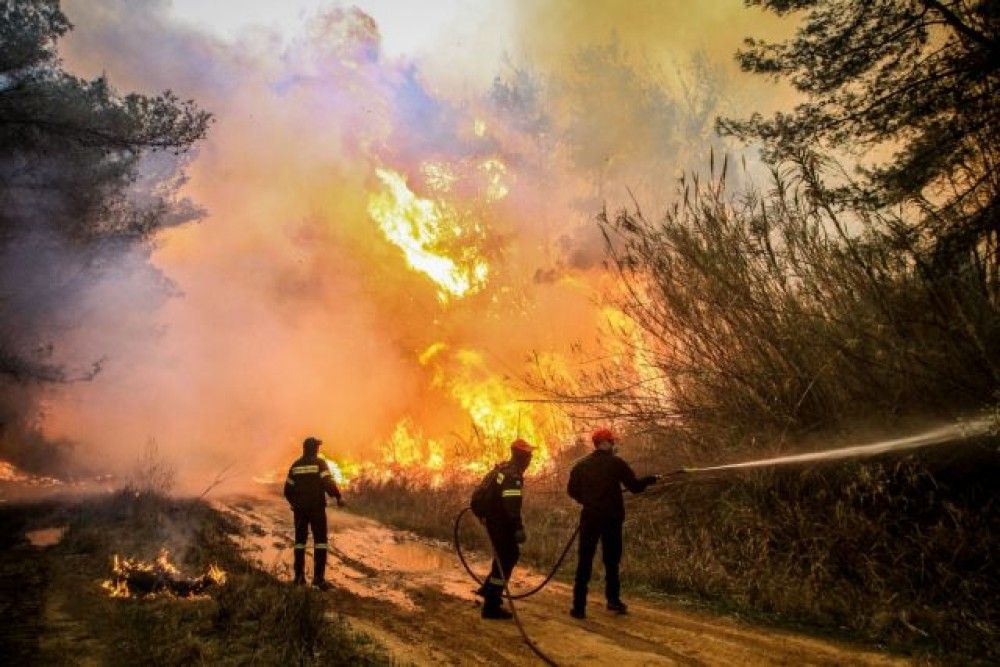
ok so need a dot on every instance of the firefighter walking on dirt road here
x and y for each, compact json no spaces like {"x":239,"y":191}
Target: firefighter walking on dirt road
{"x":309,"y":482}
{"x":497,"y":503}
{"x":596,"y":482}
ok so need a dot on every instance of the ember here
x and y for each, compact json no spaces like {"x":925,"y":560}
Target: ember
{"x":136,"y":578}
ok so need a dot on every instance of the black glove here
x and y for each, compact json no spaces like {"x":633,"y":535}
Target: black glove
{"x":650,"y":479}
{"x":520,"y":536}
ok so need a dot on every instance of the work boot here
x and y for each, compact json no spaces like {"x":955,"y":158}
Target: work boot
{"x":322,"y":585}
{"x":299,"y":566}
{"x":496,"y":613}
{"x":319,"y":564}
{"x":299,"y":580}
{"x":618,"y":607}
{"x":578,"y":613}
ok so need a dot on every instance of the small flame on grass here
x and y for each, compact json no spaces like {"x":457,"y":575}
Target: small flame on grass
{"x":132,"y":577}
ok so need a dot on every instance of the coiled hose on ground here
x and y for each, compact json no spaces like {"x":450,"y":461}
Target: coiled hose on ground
{"x":518,"y":596}
{"x":506,"y":588}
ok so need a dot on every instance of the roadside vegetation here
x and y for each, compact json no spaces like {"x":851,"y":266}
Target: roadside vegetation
{"x":57,"y":613}
{"x":898,"y":552}
{"x":852,"y":294}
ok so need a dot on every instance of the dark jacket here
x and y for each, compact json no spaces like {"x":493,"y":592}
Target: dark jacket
{"x":308,"y":479}
{"x":501,"y":489}
{"x":596,"y":483}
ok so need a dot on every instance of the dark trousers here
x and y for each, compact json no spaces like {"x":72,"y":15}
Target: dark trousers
{"x":305,"y":520}
{"x":508,"y":553}
{"x":609,"y":533}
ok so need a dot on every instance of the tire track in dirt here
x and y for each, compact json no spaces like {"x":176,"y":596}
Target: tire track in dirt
{"x":411,"y":595}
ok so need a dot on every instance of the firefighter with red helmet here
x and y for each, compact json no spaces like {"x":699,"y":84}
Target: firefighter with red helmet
{"x":596,"y":483}
{"x":497,"y":503}
{"x":309,"y":482}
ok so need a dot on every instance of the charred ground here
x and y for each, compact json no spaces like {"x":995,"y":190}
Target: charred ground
{"x":57,"y":613}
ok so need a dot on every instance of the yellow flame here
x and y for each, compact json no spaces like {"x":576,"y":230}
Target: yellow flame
{"x":407,"y":447}
{"x":631,"y":347}
{"x":431,"y":352}
{"x":216,"y":574}
{"x":161,"y":566}
{"x":479,"y":127}
{"x":493,"y":407}
{"x":423,"y":229}
{"x":335,"y":469}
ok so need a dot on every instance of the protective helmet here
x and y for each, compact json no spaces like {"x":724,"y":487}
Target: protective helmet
{"x":602,"y":435}
{"x":520,"y":445}
{"x":311,"y":444}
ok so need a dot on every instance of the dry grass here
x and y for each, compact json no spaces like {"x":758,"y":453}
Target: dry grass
{"x":253,"y":619}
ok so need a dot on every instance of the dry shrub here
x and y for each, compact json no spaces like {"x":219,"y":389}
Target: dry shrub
{"x":779,"y":311}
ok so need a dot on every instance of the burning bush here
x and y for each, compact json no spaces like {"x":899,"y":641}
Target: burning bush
{"x":132,"y":577}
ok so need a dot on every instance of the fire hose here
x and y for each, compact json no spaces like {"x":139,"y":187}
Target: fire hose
{"x":506,"y":588}
{"x":510,"y":599}
{"x":519,"y":596}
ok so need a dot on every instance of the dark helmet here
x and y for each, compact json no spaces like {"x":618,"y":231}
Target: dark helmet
{"x":311,"y":445}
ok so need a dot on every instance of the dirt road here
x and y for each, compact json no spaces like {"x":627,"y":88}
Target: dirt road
{"x":414,"y":597}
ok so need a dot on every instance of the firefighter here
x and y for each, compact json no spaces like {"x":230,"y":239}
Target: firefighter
{"x":596,"y":483}
{"x":308,"y":480}
{"x":497,"y":503}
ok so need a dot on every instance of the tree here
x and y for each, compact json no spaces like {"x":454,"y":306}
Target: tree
{"x":915,"y":77}
{"x":70,"y":152}
{"x":87,"y":176}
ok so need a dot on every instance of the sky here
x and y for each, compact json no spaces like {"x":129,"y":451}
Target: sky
{"x":399,"y":216}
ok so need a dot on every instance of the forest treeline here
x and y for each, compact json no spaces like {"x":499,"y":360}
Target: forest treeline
{"x":87,"y":175}
{"x":826,"y":296}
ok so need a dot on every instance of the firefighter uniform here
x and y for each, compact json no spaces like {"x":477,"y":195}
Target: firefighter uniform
{"x":309,"y":480}
{"x":502,"y":517}
{"x":596,"y":482}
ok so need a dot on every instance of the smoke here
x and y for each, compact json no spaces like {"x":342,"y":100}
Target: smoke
{"x":292,"y":314}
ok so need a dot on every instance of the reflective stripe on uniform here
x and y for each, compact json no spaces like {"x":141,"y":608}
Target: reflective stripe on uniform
{"x":321,"y":545}
{"x":497,"y":581}
{"x":325,"y":473}
{"x":289,"y":480}
{"x":299,"y":546}
{"x":302,"y":470}
{"x":511,"y":493}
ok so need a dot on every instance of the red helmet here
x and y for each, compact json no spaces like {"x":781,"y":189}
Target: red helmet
{"x":602,"y":435}
{"x":520,"y":445}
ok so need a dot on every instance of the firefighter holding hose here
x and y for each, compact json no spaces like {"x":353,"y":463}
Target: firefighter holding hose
{"x":309,"y":482}
{"x":596,"y":483}
{"x":497,"y":503}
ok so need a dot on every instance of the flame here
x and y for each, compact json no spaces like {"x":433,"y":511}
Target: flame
{"x":424,"y":229}
{"x":495,"y":412}
{"x":161,"y":577}
{"x":407,"y":447}
{"x":335,"y":469}
{"x":631,"y":347}
{"x":216,"y":575}
{"x":441,"y":243}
